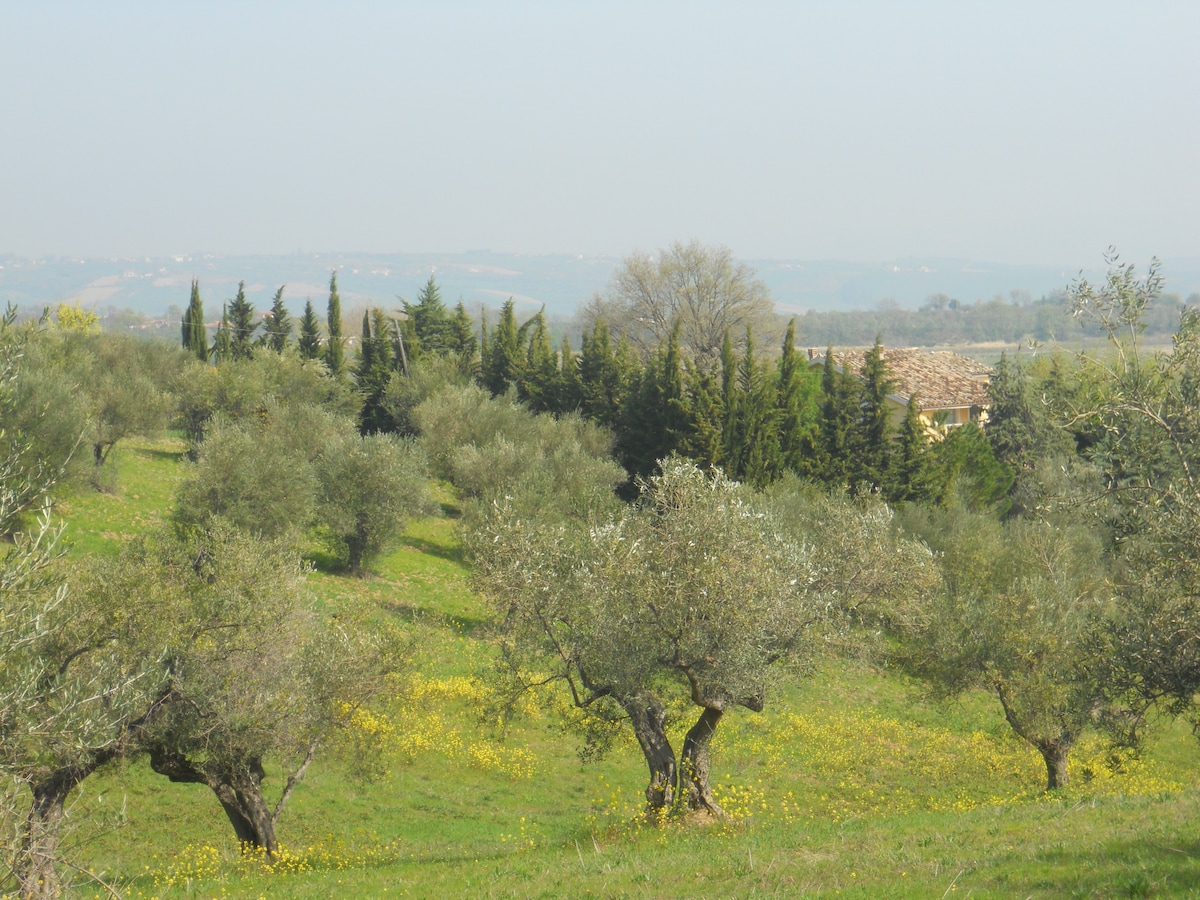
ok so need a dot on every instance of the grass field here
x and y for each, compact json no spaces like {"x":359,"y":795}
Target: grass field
{"x":849,"y":784}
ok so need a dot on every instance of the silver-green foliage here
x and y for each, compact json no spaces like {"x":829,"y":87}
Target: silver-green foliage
{"x":1019,"y":604}
{"x":492,"y":448}
{"x":690,"y":595}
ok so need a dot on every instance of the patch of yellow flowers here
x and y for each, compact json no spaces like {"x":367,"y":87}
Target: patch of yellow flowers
{"x":837,"y":765}
{"x":420,"y":728}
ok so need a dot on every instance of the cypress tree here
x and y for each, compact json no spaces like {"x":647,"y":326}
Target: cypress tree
{"x":241,"y":324}
{"x":572,"y":388}
{"x":872,"y":438}
{"x":501,"y":366}
{"x":376,"y":364}
{"x":909,"y":478}
{"x":758,"y":420}
{"x":462,"y":338}
{"x":222,"y":341}
{"x":430,"y":319}
{"x":195,"y":333}
{"x":797,"y":405}
{"x":704,"y":440}
{"x":309,"y":343}
{"x":839,"y":412}
{"x":598,"y":379}
{"x":731,"y":404}
{"x":279,"y":326}
{"x":540,"y":383}
{"x":335,"y":353}
{"x":654,"y":420}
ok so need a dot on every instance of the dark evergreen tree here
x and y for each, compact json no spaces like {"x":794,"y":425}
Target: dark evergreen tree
{"x":731,"y":405}
{"x":571,"y":397}
{"x":654,"y":420}
{"x":797,"y":402}
{"x":241,"y":324}
{"x":540,"y":384}
{"x":1020,"y":425}
{"x":463,"y":342}
{"x":376,"y":365}
{"x":604,"y":375}
{"x":501,"y":366}
{"x":839,"y":412}
{"x":195,"y":332}
{"x":431,"y":321}
{"x":335,"y":353}
{"x":910,"y":477}
{"x":968,"y":471}
{"x":704,"y":440}
{"x":757,"y":425}
{"x":222,"y":347}
{"x":309,"y":342}
{"x":278,"y":327}
{"x":872,"y":444}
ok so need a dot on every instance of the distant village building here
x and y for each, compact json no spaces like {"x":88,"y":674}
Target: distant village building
{"x":951,"y":389}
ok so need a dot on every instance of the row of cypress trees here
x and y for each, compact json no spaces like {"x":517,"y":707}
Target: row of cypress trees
{"x":756,"y":416}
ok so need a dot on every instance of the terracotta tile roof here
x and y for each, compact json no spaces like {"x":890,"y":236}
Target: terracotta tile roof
{"x":940,"y":379}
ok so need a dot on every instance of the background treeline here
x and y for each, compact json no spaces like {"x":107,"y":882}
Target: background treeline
{"x":944,"y":321}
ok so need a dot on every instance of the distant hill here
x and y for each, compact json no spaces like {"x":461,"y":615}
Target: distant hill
{"x":152,"y":285}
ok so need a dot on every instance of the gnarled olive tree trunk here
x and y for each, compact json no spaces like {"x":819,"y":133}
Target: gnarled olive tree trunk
{"x":1055,"y":751}
{"x":36,"y":872}
{"x":1055,"y":754}
{"x":693,"y":762}
{"x":648,"y":719}
{"x":239,"y":791}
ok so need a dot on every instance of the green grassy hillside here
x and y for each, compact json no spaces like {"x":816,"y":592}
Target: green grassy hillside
{"x":850,"y":783}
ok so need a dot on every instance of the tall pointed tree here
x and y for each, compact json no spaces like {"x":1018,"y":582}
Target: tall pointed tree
{"x":309,"y":343}
{"x":278,"y":327}
{"x":430,"y":319}
{"x":222,"y":346}
{"x":462,"y":338}
{"x":195,"y":333}
{"x":335,"y":353}
{"x":797,"y":404}
{"x":374,"y":371}
{"x":873,"y":432}
{"x":501,"y":367}
{"x":241,"y":324}
{"x":839,"y":412}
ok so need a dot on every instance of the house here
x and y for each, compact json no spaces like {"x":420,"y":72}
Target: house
{"x":951,"y":389}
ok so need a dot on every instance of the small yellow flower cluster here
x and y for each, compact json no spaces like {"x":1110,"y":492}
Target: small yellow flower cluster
{"x":190,"y":864}
{"x":194,"y":865}
{"x":526,"y":839}
{"x":512,"y":762}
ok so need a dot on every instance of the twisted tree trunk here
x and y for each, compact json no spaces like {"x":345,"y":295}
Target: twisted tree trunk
{"x":693,"y":762}
{"x":648,"y":719}
{"x":37,"y":874}
{"x":1055,"y":755}
{"x":239,"y":791}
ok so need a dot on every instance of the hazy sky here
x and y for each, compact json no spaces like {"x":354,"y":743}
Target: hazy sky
{"x":1011,"y":132}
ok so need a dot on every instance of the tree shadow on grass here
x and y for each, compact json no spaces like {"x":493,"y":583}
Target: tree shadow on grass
{"x":467,"y":625}
{"x":422,"y":545}
{"x":165,"y":455}
{"x":1119,"y":868}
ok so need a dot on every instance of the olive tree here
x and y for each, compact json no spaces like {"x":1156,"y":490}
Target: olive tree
{"x":1019,"y":604}
{"x":248,"y":673}
{"x":70,"y":689}
{"x":1142,"y":410}
{"x":257,"y":472}
{"x":692,"y":592}
{"x":495,"y":447}
{"x":368,"y":487}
